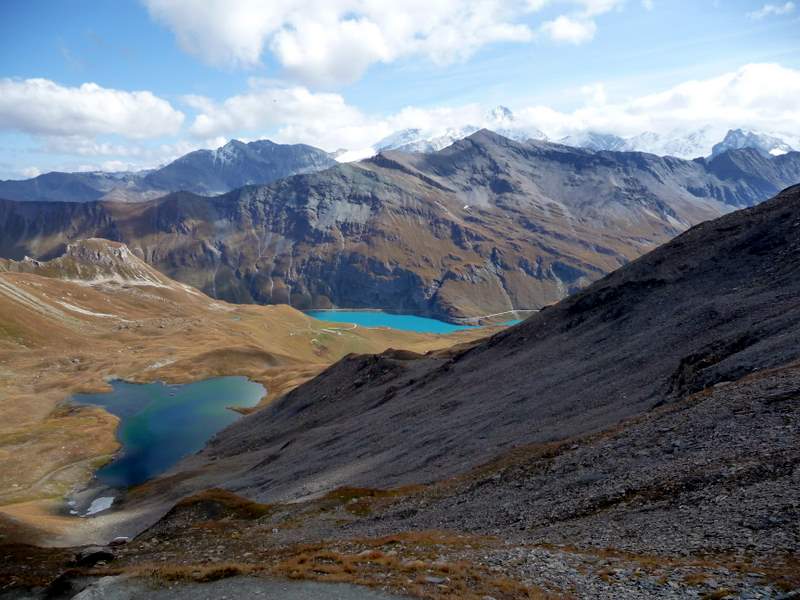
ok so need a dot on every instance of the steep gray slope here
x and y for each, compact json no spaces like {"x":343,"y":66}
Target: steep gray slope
{"x":713,"y":305}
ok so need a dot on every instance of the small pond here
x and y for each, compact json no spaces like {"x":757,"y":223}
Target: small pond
{"x":162,"y":423}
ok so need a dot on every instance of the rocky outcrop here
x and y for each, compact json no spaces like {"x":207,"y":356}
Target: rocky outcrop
{"x":92,"y":261}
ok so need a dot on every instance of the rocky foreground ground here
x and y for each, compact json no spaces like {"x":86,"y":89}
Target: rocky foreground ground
{"x":697,"y":499}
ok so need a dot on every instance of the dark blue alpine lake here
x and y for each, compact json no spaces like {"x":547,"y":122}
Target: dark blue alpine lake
{"x":162,"y":423}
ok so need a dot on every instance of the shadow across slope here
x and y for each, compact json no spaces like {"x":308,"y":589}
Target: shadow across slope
{"x":716,"y":303}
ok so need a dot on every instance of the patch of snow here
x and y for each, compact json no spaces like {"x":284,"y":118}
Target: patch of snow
{"x":98,"y":505}
{"x":83,"y":311}
{"x":142,"y":281}
{"x":676,"y":223}
{"x":160,"y":363}
{"x":355,"y":155}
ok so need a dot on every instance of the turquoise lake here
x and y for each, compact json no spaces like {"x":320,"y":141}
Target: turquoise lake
{"x":376,"y":318}
{"x":162,"y":423}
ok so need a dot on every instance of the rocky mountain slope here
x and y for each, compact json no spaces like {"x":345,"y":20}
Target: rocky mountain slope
{"x":488,"y":225}
{"x":637,"y":440}
{"x":717,"y":304}
{"x":204,"y":172}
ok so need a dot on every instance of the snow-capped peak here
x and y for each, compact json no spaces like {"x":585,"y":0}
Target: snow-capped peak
{"x":741,"y":138}
{"x":500,"y":114}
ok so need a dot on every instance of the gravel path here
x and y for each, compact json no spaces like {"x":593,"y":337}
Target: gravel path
{"x":240,"y":588}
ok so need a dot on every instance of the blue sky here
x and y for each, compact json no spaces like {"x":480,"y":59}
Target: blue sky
{"x":130,"y":84}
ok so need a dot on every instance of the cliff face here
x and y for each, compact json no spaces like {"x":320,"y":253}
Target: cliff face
{"x":485,"y":226}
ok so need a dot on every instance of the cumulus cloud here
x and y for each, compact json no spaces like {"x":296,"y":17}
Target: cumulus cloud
{"x":758,"y":96}
{"x":763,"y":96}
{"x":772,"y":10}
{"x":42,"y":107}
{"x":570,"y":30}
{"x":331,"y":42}
{"x":29,"y":172}
{"x":316,"y":118}
{"x":578,"y":25}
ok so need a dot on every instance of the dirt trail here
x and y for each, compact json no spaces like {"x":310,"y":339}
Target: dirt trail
{"x":120,"y":588}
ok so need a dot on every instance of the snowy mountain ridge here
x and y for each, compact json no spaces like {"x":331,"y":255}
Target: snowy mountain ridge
{"x":693,"y":143}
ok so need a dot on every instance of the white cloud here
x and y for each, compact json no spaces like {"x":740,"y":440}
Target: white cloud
{"x":578,"y":25}
{"x":772,"y":10}
{"x":593,"y":8}
{"x":570,"y":30}
{"x":322,"y":119}
{"x":758,"y":96}
{"x":586,"y":8}
{"x":596,"y":93}
{"x":339,"y":52}
{"x":648,"y":4}
{"x":330,"y":42}
{"x":29,"y":172}
{"x":334,"y":42}
{"x":42,"y":107}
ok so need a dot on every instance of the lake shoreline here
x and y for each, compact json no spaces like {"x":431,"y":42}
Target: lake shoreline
{"x":475,"y":321}
{"x":159,"y":424}
{"x":377,"y":318}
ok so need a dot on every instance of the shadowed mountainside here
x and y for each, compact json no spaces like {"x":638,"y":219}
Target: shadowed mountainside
{"x":717,"y":303}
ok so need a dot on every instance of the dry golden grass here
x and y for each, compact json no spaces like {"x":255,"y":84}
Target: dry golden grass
{"x":49,"y":350}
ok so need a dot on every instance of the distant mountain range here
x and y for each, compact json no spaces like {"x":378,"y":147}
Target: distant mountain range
{"x":236,"y":164}
{"x":484,"y":226}
{"x":694,"y":144}
{"x":206,"y":172}
{"x":703,"y":142}
{"x":499,"y":120}
{"x":683,"y":145}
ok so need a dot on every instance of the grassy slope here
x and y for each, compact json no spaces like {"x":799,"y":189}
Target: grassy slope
{"x":58,"y":337}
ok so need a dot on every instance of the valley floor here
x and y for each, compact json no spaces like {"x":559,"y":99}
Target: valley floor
{"x":65,"y":336}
